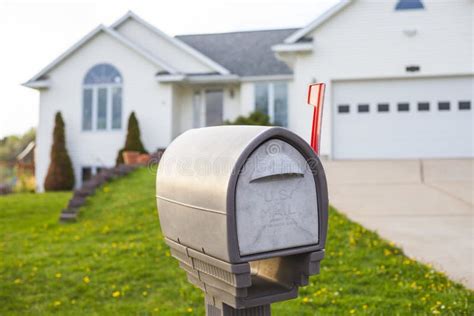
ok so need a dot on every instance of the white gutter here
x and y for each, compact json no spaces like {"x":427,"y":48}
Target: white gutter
{"x":296,"y":47}
{"x":197,"y":78}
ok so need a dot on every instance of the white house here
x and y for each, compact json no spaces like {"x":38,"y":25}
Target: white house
{"x":399,"y":76}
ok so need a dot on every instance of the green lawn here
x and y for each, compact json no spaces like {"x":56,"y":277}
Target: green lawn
{"x":114,"y":261}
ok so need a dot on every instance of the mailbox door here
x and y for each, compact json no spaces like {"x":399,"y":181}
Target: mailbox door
{"x":276,"y":202}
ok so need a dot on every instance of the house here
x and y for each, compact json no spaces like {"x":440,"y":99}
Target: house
{"x":399,"y":76}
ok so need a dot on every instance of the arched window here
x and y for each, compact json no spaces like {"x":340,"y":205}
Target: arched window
{"x":102,"y":98}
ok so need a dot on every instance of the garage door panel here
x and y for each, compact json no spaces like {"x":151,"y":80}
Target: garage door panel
{"x":395,"y":134}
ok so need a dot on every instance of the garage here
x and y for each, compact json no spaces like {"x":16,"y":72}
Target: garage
{"x":403,"y":118}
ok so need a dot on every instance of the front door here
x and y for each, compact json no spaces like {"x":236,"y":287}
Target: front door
{"x":214,"y":107}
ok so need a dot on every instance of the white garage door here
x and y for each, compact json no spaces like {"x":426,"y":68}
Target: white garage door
{"x":412,"y":118}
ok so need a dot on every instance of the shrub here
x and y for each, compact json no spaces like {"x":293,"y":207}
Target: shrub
{"x":25,"y":183}
{"x":254,"y":118}
{"x":60,"y":175}
{"x":133,"y":141}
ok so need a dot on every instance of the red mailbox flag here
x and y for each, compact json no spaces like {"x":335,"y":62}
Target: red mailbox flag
{"x":316,"y":99}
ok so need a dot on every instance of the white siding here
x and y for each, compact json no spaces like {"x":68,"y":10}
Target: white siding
{"x":141,"y":93}
{"x":367,"y":40}
{"x":162,"y":48}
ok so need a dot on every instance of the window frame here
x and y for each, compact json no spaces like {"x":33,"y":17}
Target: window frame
{"x":381,"y":107}
{"x":399,"y":104}
{"x":444,"y":106}
{"x":420,"y":108}
{"x":109,"y":87}
{"x":363,"y":108}
{"x":462,"y":105}
{"x":341,"y":109}
{"x":270,"y":96}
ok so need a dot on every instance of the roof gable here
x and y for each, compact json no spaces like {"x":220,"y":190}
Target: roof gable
{"x":195,"y":59}
{"x":100,"y":29}
{"x":299,"y":34}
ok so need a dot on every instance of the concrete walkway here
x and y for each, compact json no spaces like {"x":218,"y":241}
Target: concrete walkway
{"x":425,"y":207}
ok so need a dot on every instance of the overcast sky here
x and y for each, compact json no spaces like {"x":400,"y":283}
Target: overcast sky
{"x":33,"y":33}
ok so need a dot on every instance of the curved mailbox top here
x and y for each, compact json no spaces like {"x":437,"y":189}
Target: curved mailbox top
{"x":242,"y":193}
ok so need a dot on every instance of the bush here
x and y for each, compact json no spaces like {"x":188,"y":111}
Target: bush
{"x":254,"y":118}
{"x":60,"y":175}
{"x":133,"y":141}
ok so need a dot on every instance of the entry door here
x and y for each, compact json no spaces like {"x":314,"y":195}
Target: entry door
{"x":411,"y":118}
{"x":214,"y":107}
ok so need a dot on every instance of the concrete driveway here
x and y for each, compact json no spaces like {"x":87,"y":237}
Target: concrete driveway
{"x":426,"y":207}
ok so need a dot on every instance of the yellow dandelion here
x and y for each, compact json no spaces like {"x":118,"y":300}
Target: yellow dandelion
{"x":391,"y":243}
{"x":73,"y":302}
{"x":116,"y":294}
{"x":189,"y":310}
{"x":86,"y":279}
{"x":144,"y":293}
{"x":106,"y":189}
{"x":365,"y":306}
{"x":57,"y":303}
{"x":167,"y":253}
{"x":352,"y":311}
{"x":156,"y":309}
{"x":58,"y":275}
{"x":148,"y":286}
{"x":17,"y":281}
{"x":305,"y":299}
{"x":387,"y":252}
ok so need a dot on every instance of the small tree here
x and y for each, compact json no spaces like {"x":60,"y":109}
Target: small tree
{"x":60,"y":173}
{"x":133,"y":141}
{"x":254,"y":118}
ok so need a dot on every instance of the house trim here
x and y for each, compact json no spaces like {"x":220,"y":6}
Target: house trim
{"x":197,"y":78}
{"x":38,"y":84}
{"x":296,"y":47}
{"x":266,"y":78}
{"x":293,"y":38}
{"x":34,"y":82}
{"x":175,"y":41}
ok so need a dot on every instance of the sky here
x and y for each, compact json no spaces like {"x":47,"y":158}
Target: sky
{"x":34,"y":33}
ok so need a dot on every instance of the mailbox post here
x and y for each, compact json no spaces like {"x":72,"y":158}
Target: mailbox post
{"x":244,"y":211}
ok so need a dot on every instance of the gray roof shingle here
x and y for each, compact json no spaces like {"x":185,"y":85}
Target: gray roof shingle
{"x":243,"y":53}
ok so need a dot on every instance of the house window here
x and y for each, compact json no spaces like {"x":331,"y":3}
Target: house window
{"x":271,"y":98}
{"x":383,"y":107}
{"x":102,"y":99}
{"x":464,"y":105}
{"x":198,"y":114}
{"x":86,"y":173}
{"x":409,"y":5}
{"x":363,"y":108}
{"x":343,"y":108}
{"x":403,"y":107}
{"x":444,"y":106}
{"x":423,"y":106}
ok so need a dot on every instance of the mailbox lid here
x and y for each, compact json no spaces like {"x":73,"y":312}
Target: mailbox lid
{"x":276,"y":203}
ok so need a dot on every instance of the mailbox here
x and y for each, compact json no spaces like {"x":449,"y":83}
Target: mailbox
{"x":244,"y":211}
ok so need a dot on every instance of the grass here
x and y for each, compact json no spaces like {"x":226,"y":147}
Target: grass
{"x":114,"y":262}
